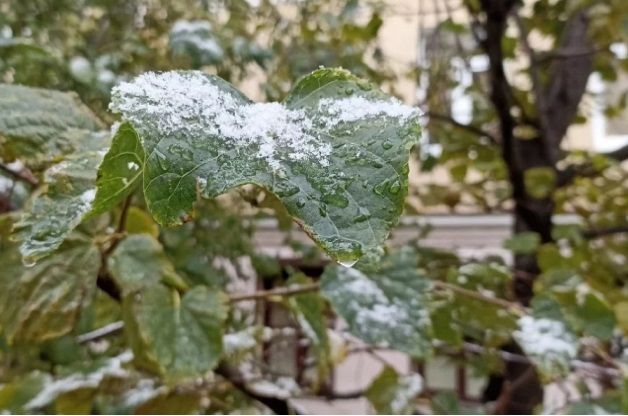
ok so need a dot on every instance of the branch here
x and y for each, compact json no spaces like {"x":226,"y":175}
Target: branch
{"x":512,"y":306}
{"x":522,"y":359}
{"x":567,"y":53}
{"x":619,"y":155}
{"x":568,"y":77}
{"x":281,"y":291}
{"x":603,"y":232}
{"x":537,"y":89}
{"x":587,"y":170}
{"x":20,"y":176}
{"x":468,"y":127}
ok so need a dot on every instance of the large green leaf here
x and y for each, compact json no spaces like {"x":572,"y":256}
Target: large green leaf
{"x":44,"y":301}
{"x":121,"y":169}
{"x":392,"y":394}
{"x":64,"y":203}
{"x":386,"y":308}
{"x":139,"y":261}
{"x":39,"y":124}
{"x":173,"y":335}
{"x":335,"y":152}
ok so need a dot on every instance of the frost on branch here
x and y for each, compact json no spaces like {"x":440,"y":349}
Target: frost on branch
{"x":335,"y":151}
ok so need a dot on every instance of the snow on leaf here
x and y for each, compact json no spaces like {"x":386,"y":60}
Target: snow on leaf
{"x":548,"y":342}
{"x":335,"y":151}
{"x":386,"y":308}
{"x":65,"y":202}
{"x":112,"y":367}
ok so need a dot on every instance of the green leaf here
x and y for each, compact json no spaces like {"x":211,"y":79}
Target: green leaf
{"x":15,"y":394}
{"x":596,"y":316}
{"x":391,"y":394}
{"x":386,"y":308}
{"x":175,"y":336}
{"x":335,"y":152}
{"x":139,"y":221}
{"x":121,"y":169}
{"x":65,"y":202}
{"x":44,"y":301}
{"x":445,"y":326}
{"x":38,"y":124}
{"x":539,"y":182}
{"x":139,"y":261}
{"x":309,"y":309}
{"x":523,"y":243}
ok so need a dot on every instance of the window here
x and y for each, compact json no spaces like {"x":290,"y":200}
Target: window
{"x":609,"y":134}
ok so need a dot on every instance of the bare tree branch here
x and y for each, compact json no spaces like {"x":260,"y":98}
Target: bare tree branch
{"x":281,"y":291}
{"x":468,"y":127}
{"x":20,"y":176}
{"x":604,"y":232}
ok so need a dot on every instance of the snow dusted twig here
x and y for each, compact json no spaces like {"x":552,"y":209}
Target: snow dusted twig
{"x":99,"y":333}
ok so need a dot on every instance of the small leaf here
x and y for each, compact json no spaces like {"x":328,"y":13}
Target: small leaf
{"x":596,"y":316}
{"x":139,"y":221}
{"x":391,"y":394}
{"x":120,"y":171}
{"x":177,"y":337}
{"x":15,"y":394}
{"x":335,"y":152}
{"x":38,"y":124}
{"x":539,"y":182}
{"x":139,"y":261}
{"x":386,"y":308}
{"x":523,"y":243}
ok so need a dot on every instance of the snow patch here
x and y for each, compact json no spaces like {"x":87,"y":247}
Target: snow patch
{"x":548,"y":339}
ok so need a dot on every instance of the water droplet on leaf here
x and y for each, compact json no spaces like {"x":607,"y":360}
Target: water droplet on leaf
{"x":348,"y":263}
{"x":395,"y":187}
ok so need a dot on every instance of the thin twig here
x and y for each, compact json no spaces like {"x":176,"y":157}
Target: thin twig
{"x":512,"y":306}
{"x":537,"y":87}
{"x":468,"y":127}
{"x":105,"y":331}
{"x":121,"y":227}
{"x":20,"y":176}
{"x":281,"y":291}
